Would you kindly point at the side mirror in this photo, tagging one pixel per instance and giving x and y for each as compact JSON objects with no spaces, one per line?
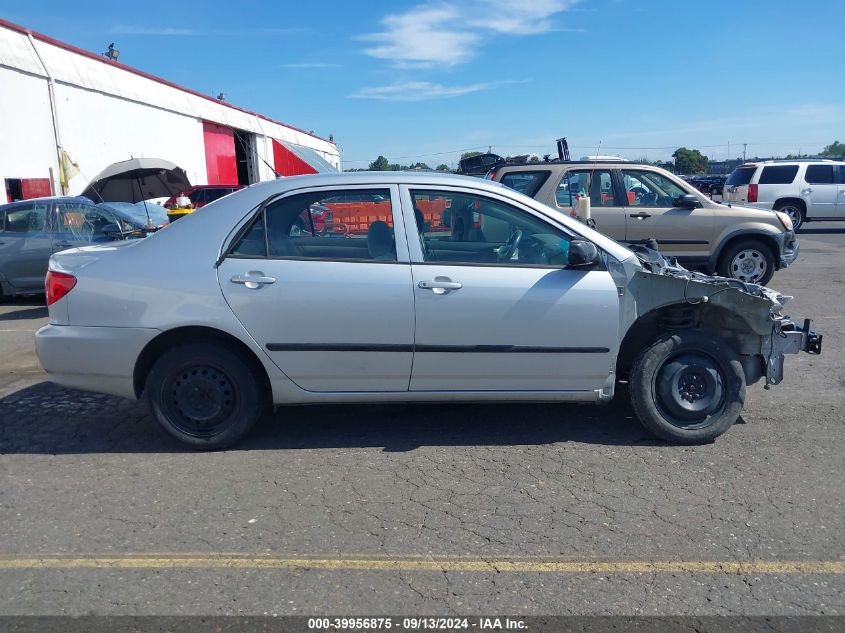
{"x":686,"y":201}
{"x":582,"y":253}
{"x":113,"y":231}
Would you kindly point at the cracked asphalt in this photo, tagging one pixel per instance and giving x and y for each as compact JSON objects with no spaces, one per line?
{"x":89,"y":475}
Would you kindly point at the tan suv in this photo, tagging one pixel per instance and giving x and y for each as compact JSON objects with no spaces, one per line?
{"x":634,"y":203}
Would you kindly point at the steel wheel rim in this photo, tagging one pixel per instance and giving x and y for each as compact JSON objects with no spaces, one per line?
{"x":749,"y":265}
{"x":794,"y":214}
{"x":689,"y":388}
{"x":199,"y":400}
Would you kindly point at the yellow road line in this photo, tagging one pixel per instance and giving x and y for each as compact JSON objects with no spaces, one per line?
{"x":174,"y":561}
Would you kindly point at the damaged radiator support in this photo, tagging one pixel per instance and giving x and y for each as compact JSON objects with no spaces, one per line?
{"x":787,"y":338}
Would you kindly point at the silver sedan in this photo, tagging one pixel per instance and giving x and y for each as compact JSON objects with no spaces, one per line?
{"x":373,"y":287}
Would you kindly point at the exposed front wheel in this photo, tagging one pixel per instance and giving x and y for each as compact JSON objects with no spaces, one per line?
{"x":204,"y":395}
{"x":750,"y":261}
{"x":687,"y":388}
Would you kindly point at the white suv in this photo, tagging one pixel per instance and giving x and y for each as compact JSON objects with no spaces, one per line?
{"x":804,"y":189}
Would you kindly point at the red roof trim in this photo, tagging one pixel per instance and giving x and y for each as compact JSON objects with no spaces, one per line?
{"x":79,"y":51}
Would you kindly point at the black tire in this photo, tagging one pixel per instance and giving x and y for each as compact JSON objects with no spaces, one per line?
{"x":731,"y":264}
{"x":795,"y":210}
{"x":205,"y":395}
{"x":687,"y":388}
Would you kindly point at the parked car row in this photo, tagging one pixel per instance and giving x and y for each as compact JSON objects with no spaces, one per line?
{"x":712,"y":185}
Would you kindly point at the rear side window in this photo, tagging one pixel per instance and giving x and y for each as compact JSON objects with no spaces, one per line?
{"x":26,"y":219}
{"x":527,"y":182}
{"x":778,"y":174}
{"x":842,"y":174}
{"x":741,"y":176}
{"x":819,"y":174}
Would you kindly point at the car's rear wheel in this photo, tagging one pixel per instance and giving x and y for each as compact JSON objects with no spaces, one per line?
{"x":794,"y":210}
{"x":687,"y":388}
{"x":204,"y":395}
{"x":750,"y":261}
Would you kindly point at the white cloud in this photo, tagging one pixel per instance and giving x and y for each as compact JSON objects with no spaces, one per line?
{"x":447,"y":33}
{"x":123,"y":29}
{"x":424,"y":90}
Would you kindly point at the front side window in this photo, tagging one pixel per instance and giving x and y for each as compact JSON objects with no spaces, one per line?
{"x":485,"y":231}
{"x":28,"y":218}
{"x":83,"y":221}
{"x":819,"y":174}
{"x":579,"y":182}
{"x":341,"y":225}
{"x":778,"y":174}
{"x":649,"y":189}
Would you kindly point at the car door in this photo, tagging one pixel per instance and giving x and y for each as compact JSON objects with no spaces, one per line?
{"x":820,"y":191}
{"x":25,"y":245}
{"x":606,"y":205}
{"x":840,"y":208}
{"x":496,"y":307}
{"x":680,"y":232}
{"x":334,"y":311}
{"x":78,"y":224}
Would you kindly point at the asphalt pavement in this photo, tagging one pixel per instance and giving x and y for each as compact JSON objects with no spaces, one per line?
{"x":437,"y":509}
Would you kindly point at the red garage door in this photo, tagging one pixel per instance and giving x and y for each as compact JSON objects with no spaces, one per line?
{"x":220,"y":160}
{"x":287,"y":163}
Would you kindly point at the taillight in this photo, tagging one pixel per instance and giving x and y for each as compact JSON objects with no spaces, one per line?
{"x":491,"y":175}
{"x":752,"y":193}
{"x":57,"y":285}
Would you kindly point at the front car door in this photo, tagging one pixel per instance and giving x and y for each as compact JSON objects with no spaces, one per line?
{"x":25,"y":245}
{"x":496,"y":307}
{"x":680,"y":232}
{"x":333,"y":310}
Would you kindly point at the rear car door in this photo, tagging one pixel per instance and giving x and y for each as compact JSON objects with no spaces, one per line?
{"x":25,"y":245}
{"x":333,"y":310}
{"x":606,"y":205}
{"x":820,"y":191}
{"x":78,"y":224}
{"x":680,"y":232}
{"x":496,"y":307}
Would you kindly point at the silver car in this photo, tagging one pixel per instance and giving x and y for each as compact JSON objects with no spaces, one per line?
{"x":248,"y":304}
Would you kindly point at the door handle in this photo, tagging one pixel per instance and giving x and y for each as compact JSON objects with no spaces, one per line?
{"x":63,"y":244}
{"x":642,"y":215}
{"x":253,"y":279}
{"x":440,"y":286}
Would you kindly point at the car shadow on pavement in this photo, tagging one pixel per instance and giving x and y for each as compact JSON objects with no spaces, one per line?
{"x":24,"y":314}
{"x":804,"y":230}
{"x":47,"y":419}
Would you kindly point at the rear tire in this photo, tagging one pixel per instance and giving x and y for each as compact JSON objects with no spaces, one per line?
{"x":796,"y":212}
{"x":204,"y":395}
{"x":687,"y":388}
{"x":750,"y":261}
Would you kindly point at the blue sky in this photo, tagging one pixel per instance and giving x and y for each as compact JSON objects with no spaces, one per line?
{"x":423,"y":81}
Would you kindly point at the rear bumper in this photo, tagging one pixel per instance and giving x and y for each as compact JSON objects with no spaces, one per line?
{"x":100,"y":359}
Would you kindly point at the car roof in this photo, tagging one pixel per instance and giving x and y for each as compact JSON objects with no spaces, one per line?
{"x":609,"y":164}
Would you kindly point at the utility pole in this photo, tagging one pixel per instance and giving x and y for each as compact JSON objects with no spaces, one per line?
{"x":744,"y":145}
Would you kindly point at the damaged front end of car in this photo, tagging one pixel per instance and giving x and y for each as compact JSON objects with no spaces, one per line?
{"x":663,"y":296}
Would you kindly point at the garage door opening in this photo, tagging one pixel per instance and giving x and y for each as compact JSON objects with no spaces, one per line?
{"x":245,"y":154}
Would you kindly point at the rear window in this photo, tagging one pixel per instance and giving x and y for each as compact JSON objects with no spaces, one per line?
{"x":741,"y":176}
{"x":215,"y":194}
{"x":819,"y":174}
{"x":778,"y":174}
{"x":527,"y":182}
